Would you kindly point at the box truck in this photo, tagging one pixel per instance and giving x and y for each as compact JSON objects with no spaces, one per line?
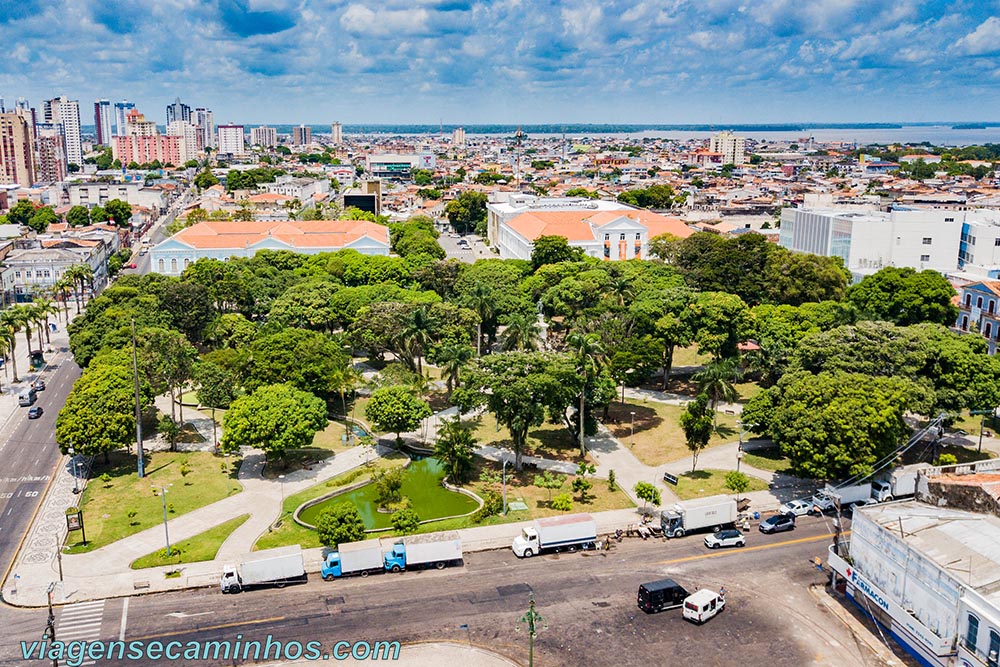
{"x":556,"y":533}
{"x":271,"y":567}
{"x":428,"y":550}
{"x":361,"y":558}
{"x":713,"y":512}
{"x":900,"y":483}
{"x":826,"y":498}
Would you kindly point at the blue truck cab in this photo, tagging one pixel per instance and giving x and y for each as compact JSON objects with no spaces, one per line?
{"x":395,"y":560}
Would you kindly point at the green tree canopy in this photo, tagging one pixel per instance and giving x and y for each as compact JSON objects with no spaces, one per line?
{"x":119,"y":211}
{"x":274,"y":418}
{"x":341,"y":524}
{"x":305,"y":359}
{"x":396,"y":409}
{"x":454,"y":447}
{"x":905,"y":296}
{"x":78,"y":216}
{"x":552,"y":250}
{"x":466,"y":211}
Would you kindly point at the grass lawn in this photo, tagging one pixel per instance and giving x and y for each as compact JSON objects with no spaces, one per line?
{"x":747,"y":390}
{"x":701,"y":483}
{"x":550,"y":441}
{"x":201,"y":547}
{"x":325,"y":444}
{"x":970,"y":424}
{"x":106,"y":505}
{"x":767,"y":458}
{"x":289,"y":532}
{"x":659,"y":437}
{"x":689,"y":356}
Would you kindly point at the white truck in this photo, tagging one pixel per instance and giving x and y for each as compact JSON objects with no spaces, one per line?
{"x":900,"y":483}
{"x":427,"y":550}
{"x":271,"y":567}
{"x":360,"y":558}
{"x":556,"y":533}
{"x":826,"y":499}
{"x":714,"y":512}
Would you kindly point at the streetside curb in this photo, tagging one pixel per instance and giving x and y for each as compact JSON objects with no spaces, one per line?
{"x":857,"y":629}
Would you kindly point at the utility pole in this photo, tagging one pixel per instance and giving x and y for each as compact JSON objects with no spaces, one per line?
{"x":532,"y":619}
{"x":982,"y":423}
{"x":50,"y":624}
{"x":138,"y":408}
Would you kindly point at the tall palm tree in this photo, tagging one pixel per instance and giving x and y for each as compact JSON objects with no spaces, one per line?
{"x":717,"y":380}
{"x":10,"y":324}
{"x":482,"y":301}
{"x":22,"y":312}
{"x":453,"y":358}
{"x":590,"y":355}
{"x":522,"y":333}
{"x":80,"y":274}
{"x":46,"y":307}
{"x":62,"y":290}
{"x":417,"y":335}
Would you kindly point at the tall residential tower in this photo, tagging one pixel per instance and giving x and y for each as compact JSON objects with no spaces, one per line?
{"x":66,"y":112}
{"x":102,"y":121}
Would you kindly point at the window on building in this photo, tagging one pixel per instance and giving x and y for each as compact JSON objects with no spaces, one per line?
{"x":159,"y":268}
{"x":972,"y":633}
{"x":17,"y":274}
{"x":993,"y":653}
{"x":996,"y":241}
{"x":965,"y":322}
{"x":173,"y":266}
{"x":968,"y":300}
{"x":949,"y":219}
{"x":991,"y":306}
{"x":988,"y":330}
{"x":925,"y":258}
{"x":979,"y":302}
{"x":607,"y":237}
{"x":46,"y":274}
{"x":621,"y":237}
{"x":638,"y":236}
{"x":27,"y":274}
{"x":928,"y":240}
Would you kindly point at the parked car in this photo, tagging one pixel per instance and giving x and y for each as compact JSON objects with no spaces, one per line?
{"x":35,"y":412}
{"x":132,"y":265}
{"x":725,"y":538}
{"x":778,"y":523}
{"x":796,"y":507}
{"x":38,"y":385}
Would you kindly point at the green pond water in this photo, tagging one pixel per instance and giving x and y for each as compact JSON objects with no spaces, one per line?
{"x":422,"y":485}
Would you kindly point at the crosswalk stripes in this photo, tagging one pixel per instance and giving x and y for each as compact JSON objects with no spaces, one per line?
{"x":80,"y":622}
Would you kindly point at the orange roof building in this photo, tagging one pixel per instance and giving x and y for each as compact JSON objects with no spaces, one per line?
{"x":225,"y":239}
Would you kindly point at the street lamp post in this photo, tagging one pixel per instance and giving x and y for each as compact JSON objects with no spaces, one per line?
{"x":166,"y":533}
{"x":50,"y":623}
{"x":281,"y":483}
{"x":982,"y":423}
{"x":743,"y":428}
{"x":532,"y":619}
{"x":504,"y":470}
{"x":76,"y":485}
{"x":631,"y":438}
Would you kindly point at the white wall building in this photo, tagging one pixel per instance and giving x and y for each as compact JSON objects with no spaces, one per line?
{"x":231,"y":140}
{"x":67,"y":112}
{"x":869,"y":241}
{"x":263,"y":136}
{"x":98,"y":194}
{"x":121,"y":116}
{"x":188,"y":133}
{"x":336,"y":134}
{"x":204,"y":120}
{"x":395,"y":165}
{"x":300,"y":188}
{"x":931,"y":576}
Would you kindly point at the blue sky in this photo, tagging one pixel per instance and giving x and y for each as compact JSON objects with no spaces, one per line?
{"x":513,"y":61}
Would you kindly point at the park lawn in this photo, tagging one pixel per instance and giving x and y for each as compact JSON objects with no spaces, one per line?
{"x":106,"y":506}
{"x":659,"y":437}
{"x":200,"y":547}
{"x":971,"y":424}
{"x":767,"y":458}
{"x":701,"y":483}
{"x":326,"y":443}
{"x":549,"y":441}
{"x":747,"y":390}
{"x":289,"y":532}
{"x":690,"y":356}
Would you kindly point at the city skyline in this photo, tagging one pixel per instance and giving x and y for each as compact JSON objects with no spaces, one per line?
{"x":278,"y":62}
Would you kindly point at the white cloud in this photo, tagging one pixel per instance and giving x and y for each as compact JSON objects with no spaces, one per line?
{"x":984,"y":39}
{"x":361,"y":20}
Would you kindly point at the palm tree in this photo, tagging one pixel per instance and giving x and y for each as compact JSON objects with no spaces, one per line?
{"x":717,"y":380}
{"x":522,"y":333}
{"x":481,"y":300}
{"x":79,"y":274}
{"x":45,"y":308}
{"x":590,"y":355}
{"x":416,"y":335}
{"x":62,"y":290}
{"x":36,"y":317}
{"x":22,"y":313}
{"x":453,"y":358}
{"x":10,"y":324}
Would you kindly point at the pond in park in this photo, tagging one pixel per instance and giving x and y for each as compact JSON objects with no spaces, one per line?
{"x":421,"y":484}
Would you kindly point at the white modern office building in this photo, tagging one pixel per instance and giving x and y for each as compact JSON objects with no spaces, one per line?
{"x":188,"y":133}
{"x":121,"y":116}
{"x":231,"y":140}
{"x":263,"y":136}
{"x":398,"y":166}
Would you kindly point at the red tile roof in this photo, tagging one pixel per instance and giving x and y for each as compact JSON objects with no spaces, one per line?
{"x":297,"y":234}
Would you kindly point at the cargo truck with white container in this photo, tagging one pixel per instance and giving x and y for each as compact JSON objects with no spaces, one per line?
{"x":827,"y":498}
{"x":428,"y":550}
{"x":713,"y":513}
{"x":360,"y":558}
{"x":271,"y":567}
{"x":900,"y":483}
{"x":556,"y":533}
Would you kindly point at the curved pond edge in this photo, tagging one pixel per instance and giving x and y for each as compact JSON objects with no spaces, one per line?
{"x":358,"y":485}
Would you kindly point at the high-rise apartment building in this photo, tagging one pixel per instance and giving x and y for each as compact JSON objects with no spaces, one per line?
{"x":121,"y":116}
{"x":188,"y":134}
{"x":204,"y":120}
{"x":66,"y":112}
{"x":263,"y":136}
{"x":458,"y":136}
{"x":231,"y":140}
{"x":301,"y":135}
{"x":178,"y":111}
{"x":102,"y":121}
{"x":143,"y":143}
{"x":3,"y":109}
{"x":336,"y":134}
{"x":136,"y":125}
{"x":52,"y":155}
{"x":732,"y":148}
{"x":17,"y":162}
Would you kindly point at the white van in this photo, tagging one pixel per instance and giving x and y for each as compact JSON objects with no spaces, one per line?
{"x":26,"y":397}
{"x":703,"y":605}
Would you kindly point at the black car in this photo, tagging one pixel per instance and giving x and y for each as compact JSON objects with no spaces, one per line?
{"x":659,"y":595}
{"x":777,"y":523}
{"x":35,"y":412}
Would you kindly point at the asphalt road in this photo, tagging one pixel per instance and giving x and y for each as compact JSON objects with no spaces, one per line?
{"x":587,"y":601}
{"x":28,"y":456}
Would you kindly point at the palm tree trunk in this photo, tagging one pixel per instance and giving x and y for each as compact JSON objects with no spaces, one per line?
{"x":13,"y":358}
{"x":583,"y":448}
{"x":48,"y":337}
{"x":479,"y":339}
{"x":77,"y":293}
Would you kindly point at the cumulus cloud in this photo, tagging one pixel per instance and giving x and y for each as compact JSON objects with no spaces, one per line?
{"x":985,"y":39}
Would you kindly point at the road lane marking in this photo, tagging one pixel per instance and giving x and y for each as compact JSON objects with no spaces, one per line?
{"x":121,"y":632}
{"x":207,"y":628}
{"x":759,"y":547}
